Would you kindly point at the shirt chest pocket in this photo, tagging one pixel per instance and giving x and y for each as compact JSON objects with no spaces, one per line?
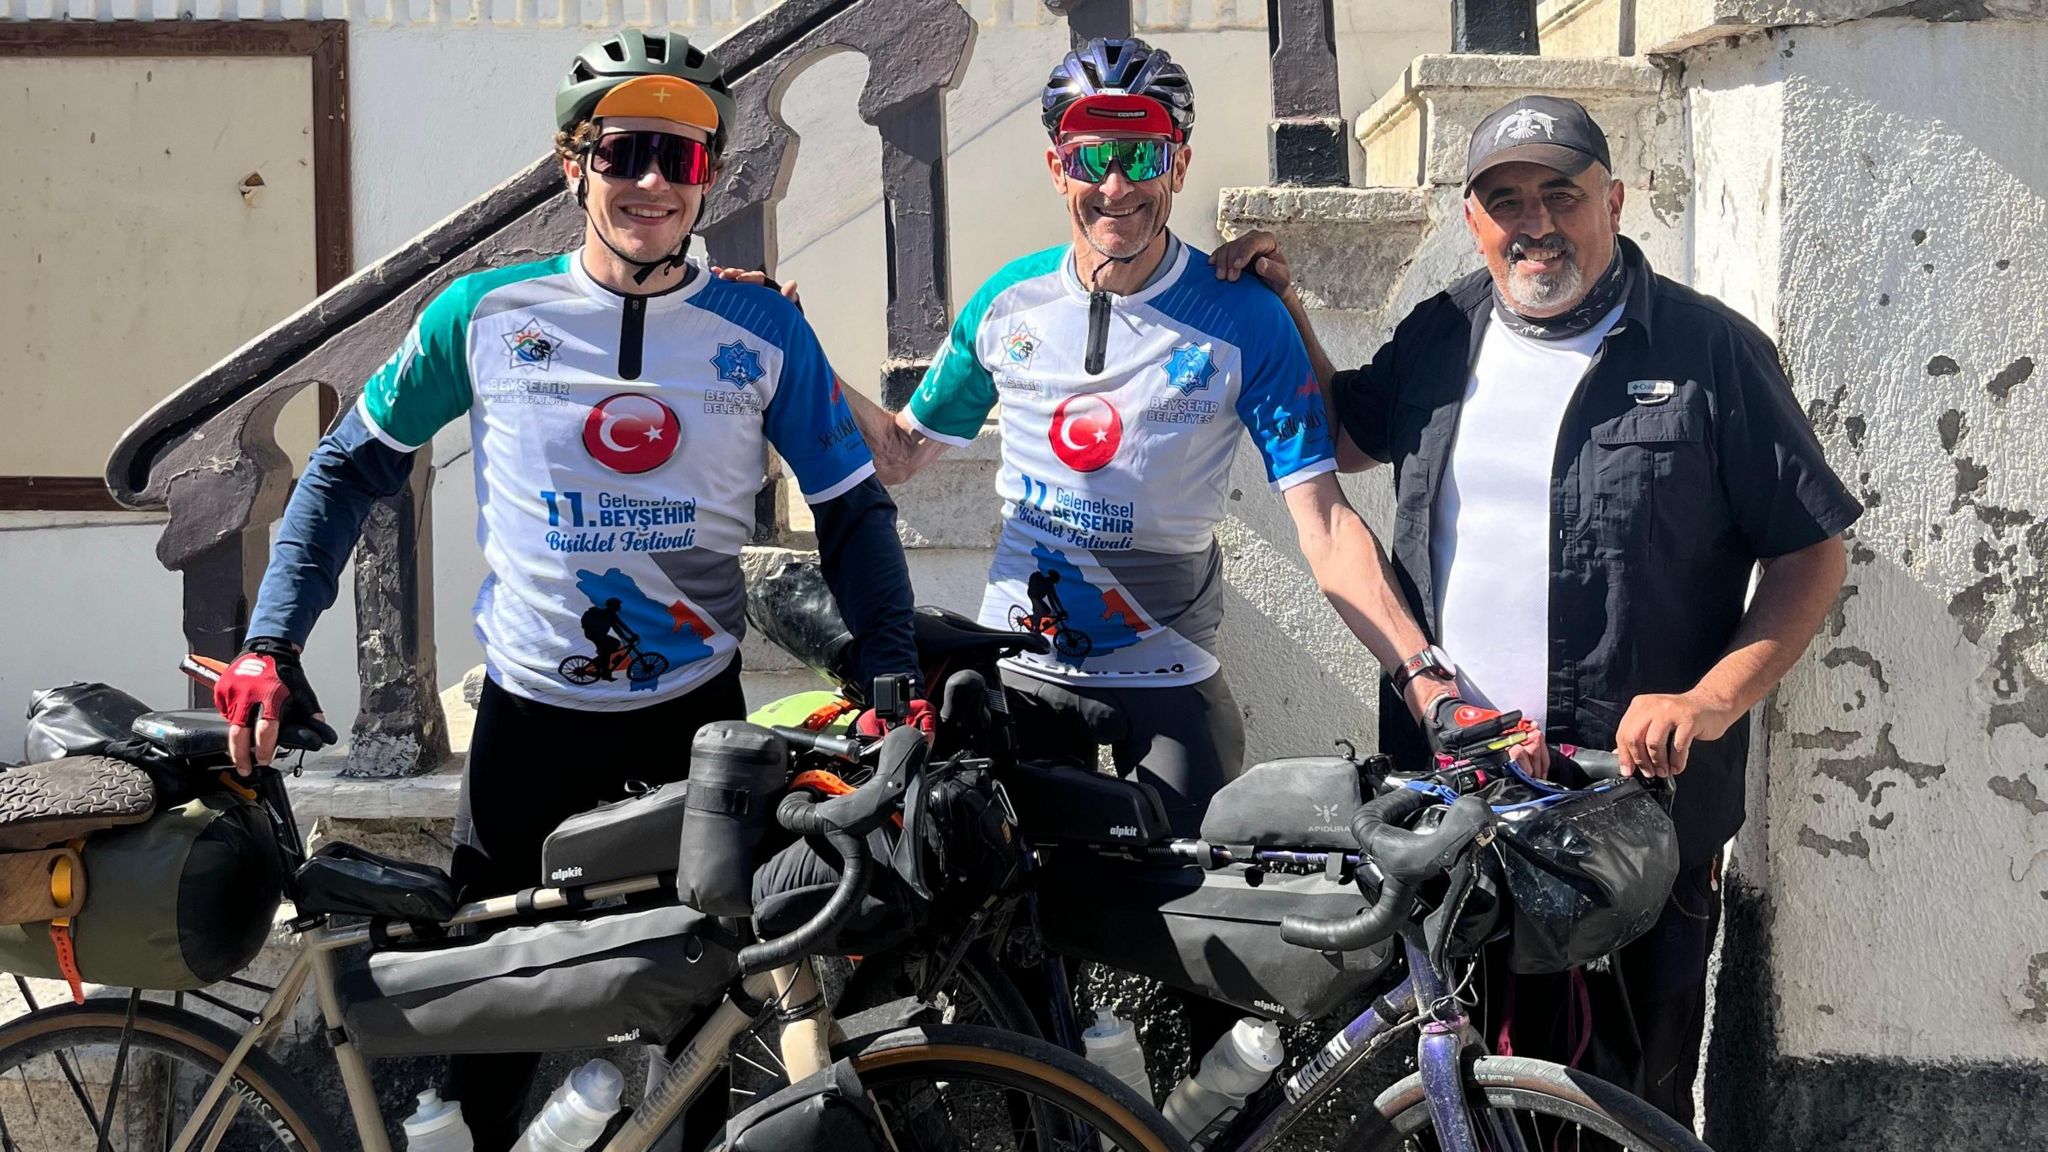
{"x":1647,"y":479}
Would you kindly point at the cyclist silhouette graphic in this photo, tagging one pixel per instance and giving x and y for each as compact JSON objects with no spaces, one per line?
{"x":1048,"y":616}
{"x":599,"y":625}
{"x":1043,"y":588}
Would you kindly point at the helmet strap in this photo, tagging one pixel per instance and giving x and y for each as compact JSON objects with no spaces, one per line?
{"x":642,"y":268}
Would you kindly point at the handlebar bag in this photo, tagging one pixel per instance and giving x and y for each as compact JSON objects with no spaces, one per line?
{"x":180,"y":901}
{"x":736,"y":771}
{"x":825,"y":1112}
{"x":627,"y":978}
{"x":1586,"y":873}
{"x":796,"y":883}
{"x":1207,"y":932}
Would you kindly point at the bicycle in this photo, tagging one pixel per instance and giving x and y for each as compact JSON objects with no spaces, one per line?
{"x":205,"y":1087}
{"x":638,"y":666}
{"x":1067,"y":641}
{"x":1460,"y":1099}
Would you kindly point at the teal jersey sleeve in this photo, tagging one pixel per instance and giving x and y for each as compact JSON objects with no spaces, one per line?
{"x":957,"y":392}
{"x":425,"y":385}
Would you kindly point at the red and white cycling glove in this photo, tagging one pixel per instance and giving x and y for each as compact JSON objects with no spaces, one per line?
{"x":921,"y":717}
{"x":265,"y":681}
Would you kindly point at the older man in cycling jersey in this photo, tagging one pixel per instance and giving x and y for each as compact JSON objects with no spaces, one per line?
{"x":1127,"y":372}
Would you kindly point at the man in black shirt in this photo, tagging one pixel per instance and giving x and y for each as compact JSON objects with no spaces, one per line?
{"x":1590,"y":461}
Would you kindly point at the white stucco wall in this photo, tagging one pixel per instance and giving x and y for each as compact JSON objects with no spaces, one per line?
{"x":1907,"y":820}
{"x":86,"y":600}
{"x":447,"y":99}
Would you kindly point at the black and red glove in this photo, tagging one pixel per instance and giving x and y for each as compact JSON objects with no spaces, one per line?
{"x":919,"y":716}
{"x":266,"y":682}
{"x":1452,"y":721}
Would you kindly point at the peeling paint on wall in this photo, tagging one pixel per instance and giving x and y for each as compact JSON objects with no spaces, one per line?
{"x":2020,"y":791}
{"x":1814,"y":841}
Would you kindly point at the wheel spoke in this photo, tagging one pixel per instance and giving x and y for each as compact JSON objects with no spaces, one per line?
{"x":106,"y":1141}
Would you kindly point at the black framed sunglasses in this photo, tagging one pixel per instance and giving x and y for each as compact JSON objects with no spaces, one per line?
{"x":627,"y":156}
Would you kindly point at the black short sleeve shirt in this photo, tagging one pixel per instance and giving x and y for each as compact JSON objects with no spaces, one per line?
{"x":1681,"y":461}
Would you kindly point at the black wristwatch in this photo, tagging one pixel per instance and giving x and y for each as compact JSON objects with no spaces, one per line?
{"x":1431,"y":662}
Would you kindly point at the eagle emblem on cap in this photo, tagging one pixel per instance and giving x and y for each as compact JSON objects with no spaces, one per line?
{"x":1524,"y":124}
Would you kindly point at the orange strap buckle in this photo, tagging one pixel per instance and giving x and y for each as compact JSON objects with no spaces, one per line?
{"x":817,"y":720}
{"x":67,"y":957}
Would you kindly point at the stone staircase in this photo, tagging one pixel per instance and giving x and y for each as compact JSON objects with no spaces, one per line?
{"x":1364,"y":256}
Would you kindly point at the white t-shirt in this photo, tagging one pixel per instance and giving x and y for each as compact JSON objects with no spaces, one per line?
{"x":1493,"y":599}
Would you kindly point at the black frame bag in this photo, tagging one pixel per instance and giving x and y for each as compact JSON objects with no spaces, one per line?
{"x":1585,"y":874}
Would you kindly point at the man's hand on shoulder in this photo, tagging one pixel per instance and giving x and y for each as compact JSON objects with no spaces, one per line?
{"x":1656,"y":734}
{"x":759,"y":279}
{"x":1260,"y":252}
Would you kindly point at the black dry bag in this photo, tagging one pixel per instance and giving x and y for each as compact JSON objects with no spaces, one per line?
{"x":736,"y":770}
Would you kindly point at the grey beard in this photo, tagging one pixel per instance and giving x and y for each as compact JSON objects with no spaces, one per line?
{"x":1531,"y":293}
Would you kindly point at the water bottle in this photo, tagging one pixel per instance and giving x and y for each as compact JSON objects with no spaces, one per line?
{"x":437,"y":1126}
{"x":1236,"y":1066}
{"x":578,"y":1111}
{"x":1112,"y":1044}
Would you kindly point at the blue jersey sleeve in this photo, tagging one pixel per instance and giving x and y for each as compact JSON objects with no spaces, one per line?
{"x":809,"y":422}
{"x":1279,"y":400}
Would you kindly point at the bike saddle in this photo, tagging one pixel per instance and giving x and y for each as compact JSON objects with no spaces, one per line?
{"x":941,"y":634}
{"x":200,"y":733}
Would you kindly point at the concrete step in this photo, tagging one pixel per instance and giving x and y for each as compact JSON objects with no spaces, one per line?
{"x":1416,"y":133}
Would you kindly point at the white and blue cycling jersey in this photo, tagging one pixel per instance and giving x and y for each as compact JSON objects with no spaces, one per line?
{"x":619,"y":444}
{"x":1114,"y":481}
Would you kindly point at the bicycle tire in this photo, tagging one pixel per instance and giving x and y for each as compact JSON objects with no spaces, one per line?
{"x":584,"y":669}
{"x":1514,"y":1083}
{"x":1076,"y":645}
{"x":646,"y":666}
{"x":293,"y":1116}
{"x":1021,"y":620}
{"x":954,"y":1054}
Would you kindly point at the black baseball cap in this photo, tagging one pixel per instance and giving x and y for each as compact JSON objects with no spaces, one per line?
{"x":1542,"y":130}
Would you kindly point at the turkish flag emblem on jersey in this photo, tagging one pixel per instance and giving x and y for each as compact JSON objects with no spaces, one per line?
{"x":1086,"y":432}
{"x":631,"y":432}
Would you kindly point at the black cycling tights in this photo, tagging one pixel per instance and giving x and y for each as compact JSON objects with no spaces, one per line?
{"x":1186,"y":742}
{"x":532,"y":766}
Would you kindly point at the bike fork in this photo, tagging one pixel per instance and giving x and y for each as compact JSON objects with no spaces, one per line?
{"x":1462,"y":1124}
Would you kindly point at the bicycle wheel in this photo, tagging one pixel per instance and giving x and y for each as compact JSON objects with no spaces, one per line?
{"x":1528,"y":1104}
{"x":1072,"y":643}
{"x":56,"y":1066}
{"x":579,"y":670}
{"x":978,"y":991}
{"x":1020,"y":619}
{"x":646,"y":666}
{"x":963,"y":1089}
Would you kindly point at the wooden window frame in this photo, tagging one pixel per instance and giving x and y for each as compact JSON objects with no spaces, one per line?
{"x":326,"y":43}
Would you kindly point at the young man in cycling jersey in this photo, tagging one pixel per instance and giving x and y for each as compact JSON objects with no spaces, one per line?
{"x":620,"y":400}
{"x":1126,"y":371}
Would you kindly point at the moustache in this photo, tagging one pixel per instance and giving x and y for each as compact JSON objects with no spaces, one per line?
{"x":1522,"y":244}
